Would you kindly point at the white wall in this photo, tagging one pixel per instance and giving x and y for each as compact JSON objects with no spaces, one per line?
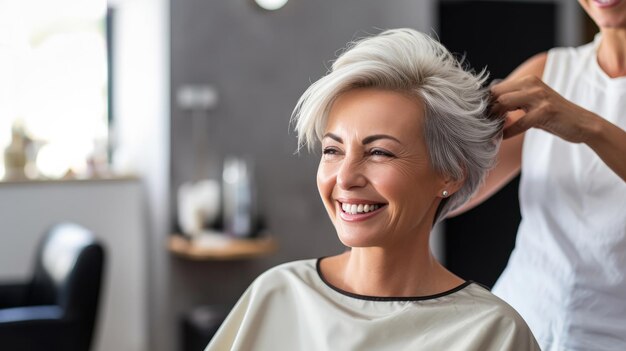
{"x":114,"y":210}
{"x":142,"y":139}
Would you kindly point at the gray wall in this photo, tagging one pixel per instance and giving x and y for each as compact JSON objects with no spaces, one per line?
{"x":260,"y":62}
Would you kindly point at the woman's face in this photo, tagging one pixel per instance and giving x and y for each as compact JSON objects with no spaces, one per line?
{"x":606,"y":13}
{"x":375,"y":176}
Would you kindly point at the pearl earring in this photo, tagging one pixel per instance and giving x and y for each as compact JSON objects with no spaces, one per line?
{"x":445,"y":193}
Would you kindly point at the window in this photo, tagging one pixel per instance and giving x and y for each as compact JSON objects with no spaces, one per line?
{"x":53,"y":88}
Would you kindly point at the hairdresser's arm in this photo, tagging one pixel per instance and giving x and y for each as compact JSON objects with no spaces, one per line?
{"x":510,"y":155}
{"x":545,"y":109}
{"x":507,"y":168}
{"x":609,"y":142}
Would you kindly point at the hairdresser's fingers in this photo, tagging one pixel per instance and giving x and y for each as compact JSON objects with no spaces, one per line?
{"x":495,"y":82}
{"x":567,"y":123}
{"x":503,"y":87}
{"x":532,"y":119}
{"x":525,"y":99}
{"x":515,"y":128}
{"x":510,"y":85}
{"x":516,"y":100}
{"x":511,"y":117}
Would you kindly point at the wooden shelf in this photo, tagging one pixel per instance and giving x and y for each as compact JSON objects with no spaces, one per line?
{"x":43,"y":181}
{"x":224,"y":248}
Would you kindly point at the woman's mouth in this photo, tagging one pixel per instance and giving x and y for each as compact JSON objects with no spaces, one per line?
{"x":351,"y":211}
{"x":606,"y":3}
{"x":359,"y":208}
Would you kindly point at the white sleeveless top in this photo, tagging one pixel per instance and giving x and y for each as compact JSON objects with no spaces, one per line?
{"x":567,"y":274}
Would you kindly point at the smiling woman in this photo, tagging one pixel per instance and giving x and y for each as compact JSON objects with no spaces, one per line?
{"x":405,"y":139}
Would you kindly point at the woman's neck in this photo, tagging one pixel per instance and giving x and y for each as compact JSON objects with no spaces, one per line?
{"x":612,"y":52}
{"x":402,"y":271}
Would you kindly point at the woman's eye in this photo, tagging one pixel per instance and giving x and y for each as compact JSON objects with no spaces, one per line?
{"x":378,"y":152}
{"x":330,"y":153}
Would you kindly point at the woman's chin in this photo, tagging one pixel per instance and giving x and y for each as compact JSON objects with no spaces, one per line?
{"x":357,"y":240}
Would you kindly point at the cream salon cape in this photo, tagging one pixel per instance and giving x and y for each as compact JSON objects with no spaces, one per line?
{"x":291,"y":307}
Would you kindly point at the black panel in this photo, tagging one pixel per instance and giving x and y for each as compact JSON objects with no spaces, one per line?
{"x":498,"y":35}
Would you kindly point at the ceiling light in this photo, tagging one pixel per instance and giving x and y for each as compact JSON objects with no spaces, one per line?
{"x":271,"y":5}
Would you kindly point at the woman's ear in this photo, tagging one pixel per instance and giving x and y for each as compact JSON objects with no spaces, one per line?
{"x":450,"y":186}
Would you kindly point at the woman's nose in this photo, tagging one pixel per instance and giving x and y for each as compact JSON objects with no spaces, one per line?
{"x":350,"y":174}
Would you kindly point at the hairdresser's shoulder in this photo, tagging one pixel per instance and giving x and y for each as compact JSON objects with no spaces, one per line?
{"x":533,"y":66}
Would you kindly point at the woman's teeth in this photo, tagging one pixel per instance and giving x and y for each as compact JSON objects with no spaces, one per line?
{"x":606,"y":3}
{"x":354,"y":209}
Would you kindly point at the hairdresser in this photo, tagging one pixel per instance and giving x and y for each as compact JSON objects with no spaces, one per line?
{"x":566,"y":116}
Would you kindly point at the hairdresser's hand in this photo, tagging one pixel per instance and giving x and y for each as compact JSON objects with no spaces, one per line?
{"x":543,"y":108}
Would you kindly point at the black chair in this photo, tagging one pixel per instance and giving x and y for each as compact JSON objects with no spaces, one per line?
{"x":200,"y":325}
{"x":57,"y":309}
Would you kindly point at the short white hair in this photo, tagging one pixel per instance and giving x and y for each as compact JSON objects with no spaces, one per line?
{"x":462,"y":140}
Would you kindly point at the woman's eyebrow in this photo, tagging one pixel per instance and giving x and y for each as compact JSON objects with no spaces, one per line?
{"x":365,"y":141}
{"x":333,"y":136}
{"x":375,"y":137}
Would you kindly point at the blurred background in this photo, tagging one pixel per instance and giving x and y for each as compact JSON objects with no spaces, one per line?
{"x":163,"y":127}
